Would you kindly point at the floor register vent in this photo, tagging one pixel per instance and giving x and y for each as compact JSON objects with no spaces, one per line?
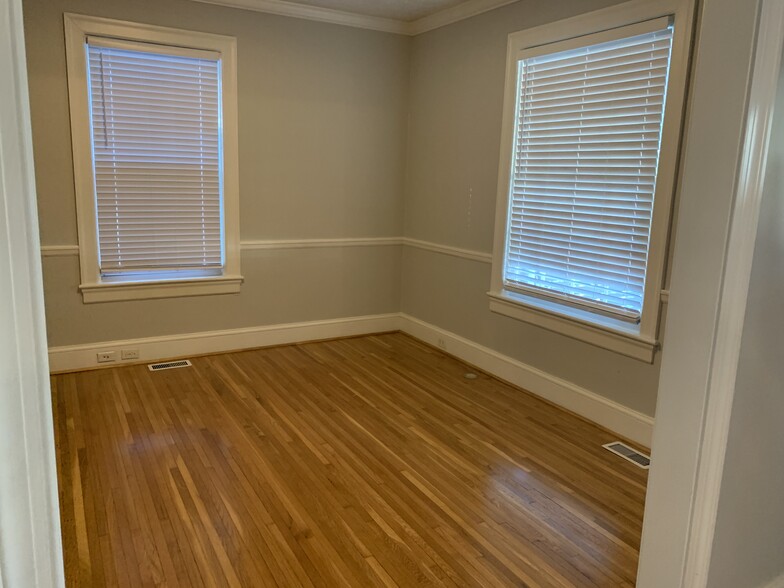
{"x":169,"y":365}
{"x":629,"y":454}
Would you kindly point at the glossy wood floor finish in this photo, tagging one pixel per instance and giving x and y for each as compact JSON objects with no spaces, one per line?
{"x":358,"y":462}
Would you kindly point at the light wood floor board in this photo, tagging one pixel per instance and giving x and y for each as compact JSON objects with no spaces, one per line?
{"x":369,"y":461}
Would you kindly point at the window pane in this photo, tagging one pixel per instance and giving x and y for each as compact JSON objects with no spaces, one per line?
{"x":586,"y":152}
{"x":156,"y":142}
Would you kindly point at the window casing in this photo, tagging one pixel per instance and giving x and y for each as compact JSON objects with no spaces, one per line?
{"x":591,"y":132}
{"x":154,"y":130}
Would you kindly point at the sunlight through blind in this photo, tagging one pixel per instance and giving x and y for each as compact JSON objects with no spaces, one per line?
{"x":586,"y":152}
{"x":155,"y":118}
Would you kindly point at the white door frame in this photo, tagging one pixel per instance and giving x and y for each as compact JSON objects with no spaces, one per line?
{"x":740,"y":252}
{"x":690,"y":545}
{"x":30,"y":544}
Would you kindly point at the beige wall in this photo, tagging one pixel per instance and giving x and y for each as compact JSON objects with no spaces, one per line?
{"x":284,"y":286}
{"x":457,"y":84}
{"x":343,"y":133}
{"x":322,"y":112}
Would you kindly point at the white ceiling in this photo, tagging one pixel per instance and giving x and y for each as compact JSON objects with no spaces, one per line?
{"x":405,"y":10}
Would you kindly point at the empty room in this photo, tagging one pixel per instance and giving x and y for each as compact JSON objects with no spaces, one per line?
{"x":352,"y":293}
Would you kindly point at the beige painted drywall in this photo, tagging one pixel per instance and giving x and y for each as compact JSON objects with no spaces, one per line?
{"x":285,"y":286}
{"x":457,"y":83}
{"x":322,"y":111}
{"x":748,"y":544}
{"x":450,"y":292}
{"x":457,"y":87}
{"x":343,"y":133}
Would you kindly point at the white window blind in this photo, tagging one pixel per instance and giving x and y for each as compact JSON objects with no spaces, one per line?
{"x":586,"y":151}
{"x":156,"y":139}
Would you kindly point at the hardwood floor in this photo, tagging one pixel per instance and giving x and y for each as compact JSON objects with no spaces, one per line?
{"x":369,"y":461}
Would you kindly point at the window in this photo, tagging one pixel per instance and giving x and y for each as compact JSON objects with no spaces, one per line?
{"x":590,"y":138}
{"x":154,"y":135}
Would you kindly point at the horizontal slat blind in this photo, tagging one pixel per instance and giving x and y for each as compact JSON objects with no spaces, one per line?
{"x":586,"y":152}
{"x":156,"y":151}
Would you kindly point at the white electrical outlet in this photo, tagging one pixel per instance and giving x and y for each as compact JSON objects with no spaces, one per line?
{"x":106,"y":356}
{"x":129,"y":354}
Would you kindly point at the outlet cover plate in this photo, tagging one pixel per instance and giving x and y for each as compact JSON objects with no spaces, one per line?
{"x":106,"y":356}
{"x":129,"y":354}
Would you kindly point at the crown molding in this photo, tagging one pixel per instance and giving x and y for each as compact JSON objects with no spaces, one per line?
{"x":454,"y":14}
{"x":442,"y":18}
{"x":295,"y":10}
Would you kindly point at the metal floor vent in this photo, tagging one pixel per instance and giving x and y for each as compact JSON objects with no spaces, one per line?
{"x":629,"y":454}
{"x":169,"y":365}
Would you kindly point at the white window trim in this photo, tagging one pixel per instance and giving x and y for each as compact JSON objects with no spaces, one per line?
{"x":639,"y":341}
{"x":93,"y":288}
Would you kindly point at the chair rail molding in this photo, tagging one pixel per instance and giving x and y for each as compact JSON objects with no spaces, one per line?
{"x":276,"y":244}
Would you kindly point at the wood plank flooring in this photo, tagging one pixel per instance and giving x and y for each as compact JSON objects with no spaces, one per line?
{"x":369,"y":461}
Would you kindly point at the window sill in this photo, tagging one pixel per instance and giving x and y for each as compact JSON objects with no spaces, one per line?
{"x":578,"y":324}
{"x":117,"y":291}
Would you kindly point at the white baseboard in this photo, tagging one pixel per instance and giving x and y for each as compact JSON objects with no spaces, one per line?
{"x":613,"y":416}
{"x":79,"y":357}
